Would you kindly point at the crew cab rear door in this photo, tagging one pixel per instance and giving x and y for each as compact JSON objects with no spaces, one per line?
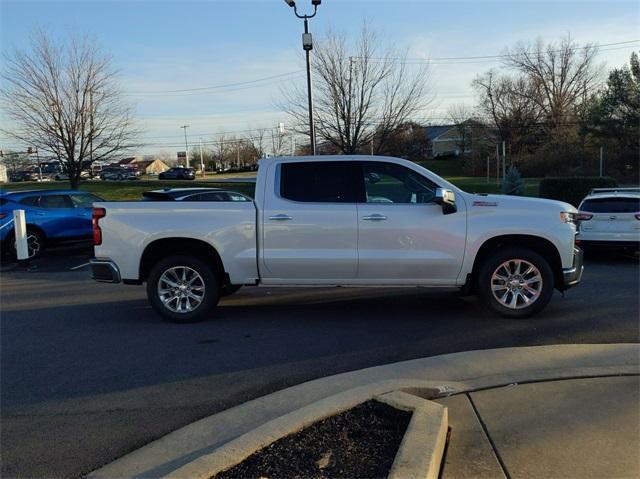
{"x":310,"y":227}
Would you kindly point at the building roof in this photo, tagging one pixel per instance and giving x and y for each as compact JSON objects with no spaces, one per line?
{"x":434,"y":131}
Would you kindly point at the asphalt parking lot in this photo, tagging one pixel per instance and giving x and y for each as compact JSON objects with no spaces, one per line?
{"x":89,"y":372}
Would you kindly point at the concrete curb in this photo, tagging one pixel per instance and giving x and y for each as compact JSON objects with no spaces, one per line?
{"x":422,"y":447}
{"x":428,"y":378}
{"x":240,"y":448}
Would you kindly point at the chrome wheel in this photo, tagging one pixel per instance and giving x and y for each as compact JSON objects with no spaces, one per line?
{"x":516,"y":284}
{"x":181,"y":289}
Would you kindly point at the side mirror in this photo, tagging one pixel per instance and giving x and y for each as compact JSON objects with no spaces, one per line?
{"x":447,"y":199}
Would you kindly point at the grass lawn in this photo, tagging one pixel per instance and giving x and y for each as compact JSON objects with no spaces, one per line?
{"x":132,"y":190}
{"x":480,"y":185}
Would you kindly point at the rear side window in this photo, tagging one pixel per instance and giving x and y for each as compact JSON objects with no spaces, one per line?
{"x":83,"y":201}
{"x":611,"y":205}
{"x":55,"y":201}
{"x":29,"y":201}
{"x":207,"y":197}
{"x":321,"y":182}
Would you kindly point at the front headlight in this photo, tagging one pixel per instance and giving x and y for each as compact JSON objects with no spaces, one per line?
{"x":567,"y":217}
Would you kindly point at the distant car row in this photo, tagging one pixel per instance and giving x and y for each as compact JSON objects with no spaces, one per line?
{"x":110,"y":173}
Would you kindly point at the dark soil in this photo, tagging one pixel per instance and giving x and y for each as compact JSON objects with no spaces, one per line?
{"x":359,"y":443}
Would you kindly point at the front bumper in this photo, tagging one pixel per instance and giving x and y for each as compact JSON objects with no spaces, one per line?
{"x":104,"y":271}
{"x":573,"y":275}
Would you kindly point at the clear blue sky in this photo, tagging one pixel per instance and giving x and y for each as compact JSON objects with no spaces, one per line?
{"x":168,"y":45}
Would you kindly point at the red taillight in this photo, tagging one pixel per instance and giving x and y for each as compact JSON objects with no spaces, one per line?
{"x":4,"y":215}
{"x":97,"y":232}
{"x":584,"y":216}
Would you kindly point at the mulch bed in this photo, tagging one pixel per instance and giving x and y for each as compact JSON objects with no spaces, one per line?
{"x":361,"y":442}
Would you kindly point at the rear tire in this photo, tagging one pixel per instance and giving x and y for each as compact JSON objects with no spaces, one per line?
{"x":515,"y":282}
{"x":183,"y":289}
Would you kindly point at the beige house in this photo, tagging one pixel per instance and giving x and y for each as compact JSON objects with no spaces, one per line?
{"x":447,"y":140}
{"x":444,"y":140}
{"x":151,"y":167}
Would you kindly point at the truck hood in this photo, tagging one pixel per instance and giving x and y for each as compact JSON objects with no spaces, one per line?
{"x":519,"y":202}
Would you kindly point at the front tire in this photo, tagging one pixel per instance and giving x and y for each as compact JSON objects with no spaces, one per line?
{"x":183,"y":289}
{"x":515,"y":282}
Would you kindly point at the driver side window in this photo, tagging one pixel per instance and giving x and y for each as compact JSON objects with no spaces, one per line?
{"x":391,"y":183}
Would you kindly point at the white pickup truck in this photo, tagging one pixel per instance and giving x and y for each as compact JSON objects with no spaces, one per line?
{"x":340,"y":221}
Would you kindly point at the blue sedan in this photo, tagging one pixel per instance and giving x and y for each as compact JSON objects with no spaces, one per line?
{"x":51,"y":216}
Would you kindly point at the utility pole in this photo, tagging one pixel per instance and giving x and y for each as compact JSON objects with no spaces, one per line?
{"x":307,"y":45}
{"x":90,"y":126}
{"x":601,"y":162}
{"x":39,"y":165}
{"x":504,"y":161}
{"x":497,"y":164}
{"x":238,"y":154}
{"x":487,"y":169}
{"x":186,"y":146}
{"x":201,"y":160}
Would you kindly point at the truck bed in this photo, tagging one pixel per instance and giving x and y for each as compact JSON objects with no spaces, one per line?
{"x":128,"y":228}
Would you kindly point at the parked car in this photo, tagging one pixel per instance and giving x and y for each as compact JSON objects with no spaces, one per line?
{"x":84,"y":174}
{"x":52,"y":216}
{"x":118,"y":173}
{"x":178,"y":174}
{"x":610,"y":217}
{"x":317,"y":221}
{"x":194,"y":194}
{"x":25,"y":175}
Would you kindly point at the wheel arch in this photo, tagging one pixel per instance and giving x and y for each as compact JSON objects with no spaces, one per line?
{"x":161,"y":248}
{"x":542,"y":246}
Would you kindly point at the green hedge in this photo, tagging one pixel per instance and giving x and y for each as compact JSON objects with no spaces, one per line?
{"x":572,"y":190}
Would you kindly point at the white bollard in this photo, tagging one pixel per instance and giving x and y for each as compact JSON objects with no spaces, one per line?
{"x":20,"y":228}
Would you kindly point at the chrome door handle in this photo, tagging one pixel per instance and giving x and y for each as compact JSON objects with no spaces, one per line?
{"x":280,"y":218}
{"x":375,"y":217}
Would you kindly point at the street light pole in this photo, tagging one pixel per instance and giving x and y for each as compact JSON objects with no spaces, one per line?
{"x":307,"y":45}
{"x":186,"y":146}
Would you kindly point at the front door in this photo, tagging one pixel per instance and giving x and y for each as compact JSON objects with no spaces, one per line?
{"x":404,"y":237}
{"x":310,"y":223}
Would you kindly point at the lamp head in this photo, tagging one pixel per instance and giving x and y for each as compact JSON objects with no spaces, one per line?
{"x":291,"y":3}
{"x":316,"y":2}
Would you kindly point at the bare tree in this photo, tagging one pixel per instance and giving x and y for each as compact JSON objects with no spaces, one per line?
{"x":560,"y":75}
{"x":361,"y":94}
{"x":278,"y":141}
{"x":462,"y":116}
{"x":511,"y":106}
{"x":64,"y":99}
{"x":257,"y":139}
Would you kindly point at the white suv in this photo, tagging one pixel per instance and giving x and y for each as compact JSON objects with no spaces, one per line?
{"x":610,"y":217}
